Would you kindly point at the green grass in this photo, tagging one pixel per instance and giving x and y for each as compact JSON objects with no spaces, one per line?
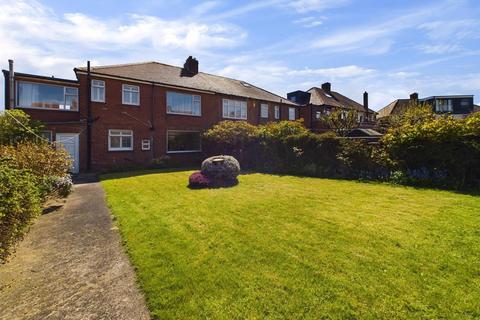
{"x":284,"y":247}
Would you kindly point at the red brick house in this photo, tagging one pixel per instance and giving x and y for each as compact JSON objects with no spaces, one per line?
{"x":319,"y":102}
{"x":130,"y":114}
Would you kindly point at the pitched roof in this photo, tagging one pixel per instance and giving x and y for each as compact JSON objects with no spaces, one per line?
{"x":175,"y":76}
{"x":320,"y":97}
{"x":393,"y":108}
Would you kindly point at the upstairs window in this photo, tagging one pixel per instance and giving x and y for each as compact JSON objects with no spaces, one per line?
{"x":443,"y":105}
{"x":291,"y":114}
{"x":277,"y":112}
{"x":120,"y":140}
{"x":46,"y":96}
{"x":181,"y":103}
{"x":264,"y":110}
{"x":130,"y":94}
{"x":234,"y":109}
{"x":98,"y":91}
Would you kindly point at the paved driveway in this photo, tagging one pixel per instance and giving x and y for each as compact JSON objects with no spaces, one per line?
{"x":71,"y":265}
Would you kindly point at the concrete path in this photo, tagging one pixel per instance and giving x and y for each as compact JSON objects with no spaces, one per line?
{"x":71,"y":265}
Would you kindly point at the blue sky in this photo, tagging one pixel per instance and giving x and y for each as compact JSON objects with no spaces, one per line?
{"x":388,"y":48}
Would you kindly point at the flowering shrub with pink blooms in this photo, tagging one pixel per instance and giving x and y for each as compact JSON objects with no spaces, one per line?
{"x":198,"y":180}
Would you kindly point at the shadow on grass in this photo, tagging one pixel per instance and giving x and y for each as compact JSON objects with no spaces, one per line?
{"x":143,"y":172}
{"x":135,"y":173}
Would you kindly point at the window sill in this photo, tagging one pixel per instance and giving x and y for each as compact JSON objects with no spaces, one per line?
{"x":46,"y":109}
{"x":184,"y":114}
{"x":185,"y":151}
{"x":229,"y":118}
{"x":120,"y":150}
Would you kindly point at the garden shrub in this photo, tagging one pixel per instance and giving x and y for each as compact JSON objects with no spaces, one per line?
{"x":221,"y":170}
{"x":19,"y":205}
{"x":198,"y":180}
{"x":439,"y":151}
{"x":42,"y":160}
{"x":236,"y":138}
{"x":22,"y":129}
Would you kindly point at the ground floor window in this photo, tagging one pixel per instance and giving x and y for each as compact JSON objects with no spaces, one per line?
{"x":291,"y":113}
{"x":120,"y":140}
{"x":183,"y":141}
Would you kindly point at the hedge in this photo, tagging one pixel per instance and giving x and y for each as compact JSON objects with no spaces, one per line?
{"x":19,"y":205}
{"x":419,"y":148}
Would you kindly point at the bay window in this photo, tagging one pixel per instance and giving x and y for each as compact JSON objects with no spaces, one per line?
{"x":46,"y":96}
{"x":182,"y":103}
{"x":179,"y":141}
{"x":234,"y":109}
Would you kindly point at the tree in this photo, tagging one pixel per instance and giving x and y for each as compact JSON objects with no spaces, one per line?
{"x":342,"y":121}
{"x":16,"y":126}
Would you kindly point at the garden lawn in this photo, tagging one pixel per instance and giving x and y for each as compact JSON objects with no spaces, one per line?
{"x":285,"y":247}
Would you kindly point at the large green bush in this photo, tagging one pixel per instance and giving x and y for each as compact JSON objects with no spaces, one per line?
{"x":440,"y":151}
{"x":235,"y":138}
{"x":46,"y":163}
{"x":418,"y":148}
{"x":17,"y":126}
{"x":19,"y":205}
{"x":31,"y":171}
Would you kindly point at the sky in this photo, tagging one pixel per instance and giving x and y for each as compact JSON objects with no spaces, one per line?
{"x":388,"y":48}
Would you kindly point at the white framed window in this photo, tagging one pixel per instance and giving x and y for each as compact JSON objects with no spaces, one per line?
{"x":277,"y":112}
{"x":264,"y":110}
{"x":98,"y":90}
{"x":181,"y":141}
{"x":318,"y":115}
{"x":46,"y":96}
{"x":183,"y":103}
{"x":234,"y":109}
{"x":443,"y":105}
{"x":145,"y":144}
{"x":130,"y":94}
{"x":120,"y":140}
{"x":291,"y":114}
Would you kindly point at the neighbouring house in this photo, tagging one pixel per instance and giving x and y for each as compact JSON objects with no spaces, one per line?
{"x":316,"y":103}
{"x":131,"y":114}
{"x":458,"y":106}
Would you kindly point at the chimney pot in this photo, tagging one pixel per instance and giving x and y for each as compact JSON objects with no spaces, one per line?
{"x":191,"y":65}
{"x":327,"y":86}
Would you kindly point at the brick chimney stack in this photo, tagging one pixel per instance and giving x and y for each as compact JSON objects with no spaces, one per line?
{"x":191,"y":66}
{"x":365,"y":101}
{"x":414,"y":97}
{"x":327,"y":86}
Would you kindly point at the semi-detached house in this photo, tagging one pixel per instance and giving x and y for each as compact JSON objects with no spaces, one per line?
{"x":130,"y":114}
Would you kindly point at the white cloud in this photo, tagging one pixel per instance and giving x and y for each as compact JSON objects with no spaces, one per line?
{"x":448,"y":29}
{"x":332,"y":73}
{"x":440,"y":48}
{"x":309,"y":22}
{"x":303,"y":6}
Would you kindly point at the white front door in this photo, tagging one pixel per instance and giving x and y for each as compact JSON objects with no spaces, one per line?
{"x":69,"y":141}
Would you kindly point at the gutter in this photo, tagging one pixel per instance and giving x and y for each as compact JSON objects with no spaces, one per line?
{"x":89,"y":118}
